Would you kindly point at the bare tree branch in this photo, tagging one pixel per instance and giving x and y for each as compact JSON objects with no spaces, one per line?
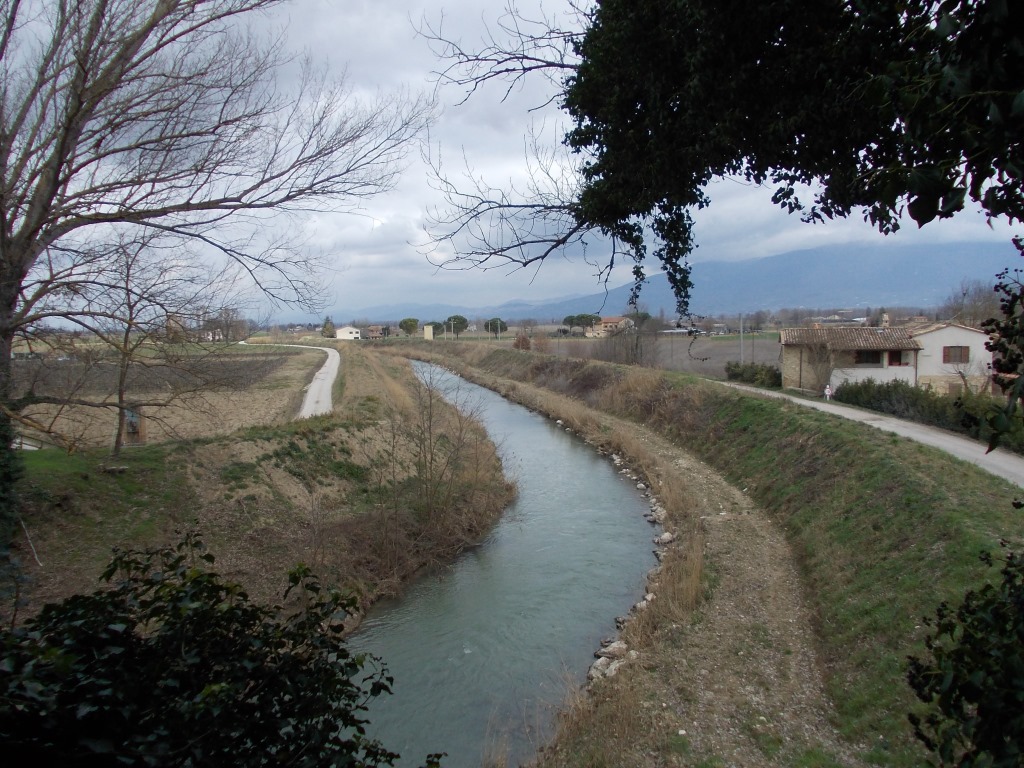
{"x":514,"y":48}
{"x":169,"y":117}
{"x":504,"y":225}
{"x":142,"y":307}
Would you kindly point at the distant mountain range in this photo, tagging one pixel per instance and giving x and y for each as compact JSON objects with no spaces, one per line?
{"x":843,"y":276}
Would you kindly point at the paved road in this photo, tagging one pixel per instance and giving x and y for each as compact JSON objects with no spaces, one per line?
{"x":1005,"y":464}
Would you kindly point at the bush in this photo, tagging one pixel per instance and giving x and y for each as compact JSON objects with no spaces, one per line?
{"x":172,"y":666}
{"x":903,"y":400}
{"x":974,"y":681}
{"x":758,"y":374}
{"x":966,"y":413}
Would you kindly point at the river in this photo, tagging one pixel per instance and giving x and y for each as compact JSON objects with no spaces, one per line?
{"x":484,"y":652}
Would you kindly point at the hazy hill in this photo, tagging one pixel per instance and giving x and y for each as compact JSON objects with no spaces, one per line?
{"x":834,"y":276}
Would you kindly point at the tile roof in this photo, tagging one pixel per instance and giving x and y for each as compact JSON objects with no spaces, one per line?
{"x":839,"y":339}
{"x":919,"y":329}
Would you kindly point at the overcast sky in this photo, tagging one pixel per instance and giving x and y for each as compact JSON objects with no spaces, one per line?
{"x":374,"y":255}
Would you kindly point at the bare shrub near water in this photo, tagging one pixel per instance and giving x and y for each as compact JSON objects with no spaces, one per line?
{"x":633,"y":395}
{"x":434,"y":482}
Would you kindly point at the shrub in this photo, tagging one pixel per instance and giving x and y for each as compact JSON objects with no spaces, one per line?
{"x":973,"y":683}
{"x":758,"y":374}
{"x":173,"y":666}
{"x":903,"y":400}
{"x":522,"y":341}
{"x":966,"y":413}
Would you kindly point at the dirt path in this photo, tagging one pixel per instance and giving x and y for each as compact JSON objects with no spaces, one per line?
{"x":318,"y":395}
{"x":743,"y":684}
{"x":748,"y":661}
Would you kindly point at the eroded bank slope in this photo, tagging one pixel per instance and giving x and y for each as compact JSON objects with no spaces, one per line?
{"x":348,"y":494}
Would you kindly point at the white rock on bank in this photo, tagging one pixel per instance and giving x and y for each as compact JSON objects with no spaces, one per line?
{"x":614,"y":667}
{"x":616,"y":650}
{"x":599,"y":668}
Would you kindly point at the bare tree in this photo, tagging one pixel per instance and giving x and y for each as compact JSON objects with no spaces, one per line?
{"x":508,"y":226}
{"x":500,"y":224}
{"x":504,"y":225}
{"x":515,"y":47}
{"x":170,"y":116}
{"x":971,"y":304}
{"x":139,"y":308}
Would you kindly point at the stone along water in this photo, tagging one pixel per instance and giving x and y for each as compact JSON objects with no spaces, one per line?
{"x":484,"y":652}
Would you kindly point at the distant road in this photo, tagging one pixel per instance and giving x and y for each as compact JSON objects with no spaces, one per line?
{"x":317,"y":400}
{"x":318,"y":395}
{"x":1004,"y":464}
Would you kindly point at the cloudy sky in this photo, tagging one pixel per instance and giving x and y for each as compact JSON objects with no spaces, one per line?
{"x":377,"y":254}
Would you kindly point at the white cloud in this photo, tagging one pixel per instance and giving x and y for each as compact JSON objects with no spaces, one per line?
{"x":373,"y":253}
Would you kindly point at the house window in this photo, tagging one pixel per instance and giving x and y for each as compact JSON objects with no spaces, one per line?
{"x":896,"y":357}
{"x":953,"y":355}
{"x":867,"y":357}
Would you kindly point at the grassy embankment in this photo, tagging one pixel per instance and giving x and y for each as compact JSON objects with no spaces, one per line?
{"x":883,"y":528}
{"x":353,"y":494}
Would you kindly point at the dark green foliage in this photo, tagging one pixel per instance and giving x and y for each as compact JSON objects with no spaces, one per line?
{"x":1007,"y":346}
{"x":758,"y":374}
{"x":955,"y":413}
{"x":10,"y":471}
{"x":903,"y":400}
{"x":973,"y":683}
{"x":496,"y":326}
{"x":586,"y":320}
{"x":879,"y":106}
{"x":172,"y":666}
{"x":456,"y":324}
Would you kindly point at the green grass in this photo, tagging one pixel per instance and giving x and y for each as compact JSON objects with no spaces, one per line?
{"x":136,"y":497}
{"x":239,"y":474}
{"x":886,"y":531}
{"x":815,"y":758}
{"x":149,"y":474}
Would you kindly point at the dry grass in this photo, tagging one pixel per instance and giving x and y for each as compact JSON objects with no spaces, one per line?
{"x":338,"y":492}
{"x":267,"y":391}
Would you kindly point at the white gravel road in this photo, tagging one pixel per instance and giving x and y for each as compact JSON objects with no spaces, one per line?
{"x":317,"y":400}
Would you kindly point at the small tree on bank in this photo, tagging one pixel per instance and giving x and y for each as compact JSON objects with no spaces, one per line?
{"x":522,"y":342}
{"x":327,"y":330}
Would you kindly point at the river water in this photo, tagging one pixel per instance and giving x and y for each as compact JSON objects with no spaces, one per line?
{"x":484,"y":652}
